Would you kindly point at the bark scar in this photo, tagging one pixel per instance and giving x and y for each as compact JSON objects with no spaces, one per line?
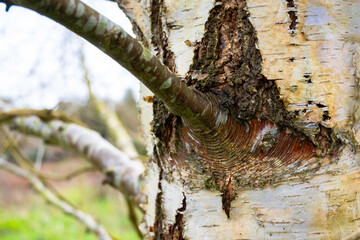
{"x":228,"y":196}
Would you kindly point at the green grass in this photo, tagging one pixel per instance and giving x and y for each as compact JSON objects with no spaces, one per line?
{"x":37,"y":220}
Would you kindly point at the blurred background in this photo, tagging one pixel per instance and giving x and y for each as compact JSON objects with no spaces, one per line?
{"x":43,"y":65}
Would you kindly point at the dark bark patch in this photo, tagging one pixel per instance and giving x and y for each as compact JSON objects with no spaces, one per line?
{"x":292,"y":15}
{"x":176,"y":230}
{"x":159,"y":38}
{"x":158,"y":225}
{"x":259,"y":144}
{"x":326,"y":116}
{"x":228,"y":195}
{"x":228,"y":64}
{"x":163,"y":126}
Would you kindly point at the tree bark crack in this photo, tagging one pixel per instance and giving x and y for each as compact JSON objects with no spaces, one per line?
{"x":176,"y":230}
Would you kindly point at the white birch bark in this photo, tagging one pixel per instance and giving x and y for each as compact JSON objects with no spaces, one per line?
{"x":323,"y":47}
{"x":317,"y":63}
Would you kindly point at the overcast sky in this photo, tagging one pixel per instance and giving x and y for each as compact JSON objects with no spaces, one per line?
{"x":40,"y":64}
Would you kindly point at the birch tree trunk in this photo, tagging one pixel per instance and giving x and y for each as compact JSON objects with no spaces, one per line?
{"x":287,"y":72}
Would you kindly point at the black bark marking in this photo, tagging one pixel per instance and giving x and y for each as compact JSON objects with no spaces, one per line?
{"x":159,"y":214}
{"x":326,"y":116}
{"x":292,"y":15}
{"x":228,"y":195}
{"x":319,"y":105}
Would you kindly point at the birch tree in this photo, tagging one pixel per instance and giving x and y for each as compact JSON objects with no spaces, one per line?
{"x":252,"y":108}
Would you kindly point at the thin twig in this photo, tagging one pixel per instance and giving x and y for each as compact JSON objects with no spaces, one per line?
{"x":69,"y":175}
{"x":132,"y":216}
{"x":84,"y":218}
{"x":43,"y":114}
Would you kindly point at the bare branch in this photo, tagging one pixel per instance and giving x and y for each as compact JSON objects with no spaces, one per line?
{"x":114,"y":127}
{"x":121,"y":172}
{"x":194,"y":107}
{"x":84,"y":218}
{"x":117,"y":133}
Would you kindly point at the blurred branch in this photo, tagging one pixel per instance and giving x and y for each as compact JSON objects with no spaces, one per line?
{"x":24,"y":162}
{"x":39,"y":156}
{"x":43,"y":114}
{"x":84,"y":218}
{"x":133,"y":218}
{"x":121,"y":172}
{"x":117,"y":134}
{"x":114,"y":127}
{"x":70,"y":175}
{"x":16,"y":152}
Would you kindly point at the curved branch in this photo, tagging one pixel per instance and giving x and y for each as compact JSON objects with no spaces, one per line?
{"x":194,"y":107}
{"x":84,"y":218}
{"x":121,"y":172}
